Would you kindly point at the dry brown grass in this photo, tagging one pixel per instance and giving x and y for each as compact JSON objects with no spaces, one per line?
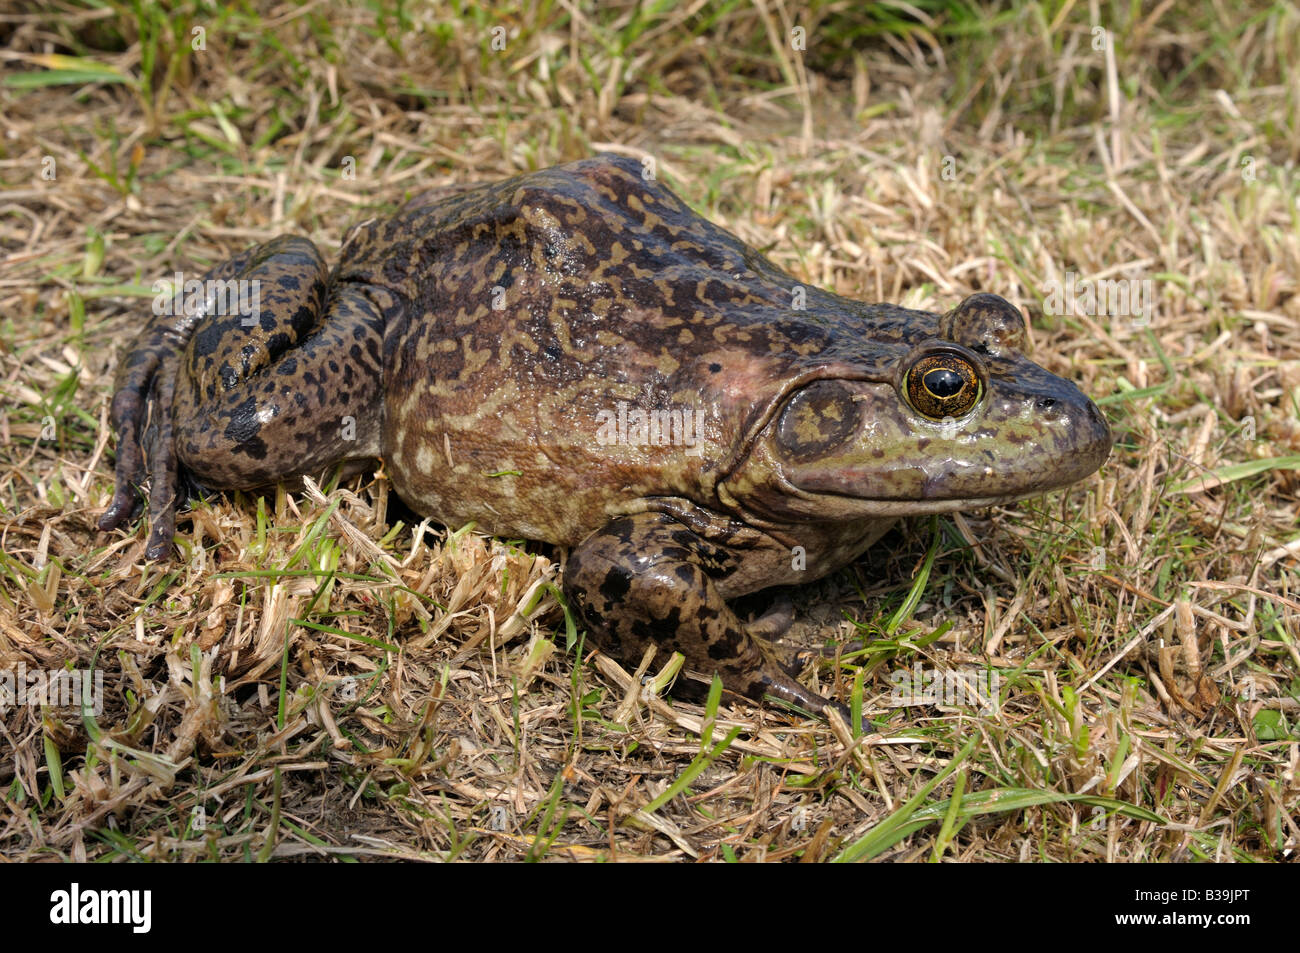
{"x":320,"y":684}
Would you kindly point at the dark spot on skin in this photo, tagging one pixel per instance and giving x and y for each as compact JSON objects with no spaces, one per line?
{"x":277,"y":344}
{"x":682,"y":537}
{"x":243,"y":429}
{"x":797,"y":333}
{"x":674,"y":553}
{"x":643,"y":631}
{"x":614,"y":587}
{"x":210,"y":338}
{"x":249,"y":353}
{"x":669,"y":625}
{"x":715,"y":368}
{"x":724,"y":649}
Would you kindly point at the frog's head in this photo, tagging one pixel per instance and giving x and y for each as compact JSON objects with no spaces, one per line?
{"x":956,"y":417}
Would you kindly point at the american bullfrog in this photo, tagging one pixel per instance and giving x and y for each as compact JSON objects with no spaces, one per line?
{"x":576,"y":357}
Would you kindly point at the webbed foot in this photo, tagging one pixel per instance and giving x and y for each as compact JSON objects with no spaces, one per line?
{"x":648,"y":579}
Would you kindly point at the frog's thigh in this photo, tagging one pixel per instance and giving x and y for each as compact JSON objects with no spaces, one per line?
{"x":315,"y":404}
{"x":647,"y":579}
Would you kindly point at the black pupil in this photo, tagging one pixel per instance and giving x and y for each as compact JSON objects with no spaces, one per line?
{"x":943,"y":383}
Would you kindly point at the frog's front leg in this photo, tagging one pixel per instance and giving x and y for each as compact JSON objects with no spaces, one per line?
{"x":279,"y":374}
{"x":648,"y":579}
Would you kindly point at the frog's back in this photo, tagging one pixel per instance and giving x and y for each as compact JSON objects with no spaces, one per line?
{"x":576,"y":340}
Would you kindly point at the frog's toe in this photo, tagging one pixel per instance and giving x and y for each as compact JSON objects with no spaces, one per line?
{"x":123,"y":508}
{"x":842,"y":709}
{"x":128,"y":474}
{"x":160,"y":544}
{"x":784,"y":688}
{"x":128,"y":413}
{"x":775,"y":622}
{"x":162,"y":459}
{"x":841,"y":649}
{"x":771,"y":626}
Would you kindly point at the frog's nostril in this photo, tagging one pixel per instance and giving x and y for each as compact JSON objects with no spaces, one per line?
{"x":1046,"y":403}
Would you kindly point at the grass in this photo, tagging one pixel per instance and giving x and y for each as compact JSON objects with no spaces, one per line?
{"x":323,"y":676}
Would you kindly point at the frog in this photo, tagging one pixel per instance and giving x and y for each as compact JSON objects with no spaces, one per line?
{"x":575,"y":356}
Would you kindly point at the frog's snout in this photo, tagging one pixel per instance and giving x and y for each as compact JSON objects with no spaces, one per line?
{"x":1097,"y":439}
{"x":1074,"y":437}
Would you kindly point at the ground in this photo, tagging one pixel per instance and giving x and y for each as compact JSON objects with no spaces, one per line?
{"x":318,"y":676}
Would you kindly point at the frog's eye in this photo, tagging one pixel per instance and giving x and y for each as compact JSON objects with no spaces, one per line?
{"x":942,"y":385}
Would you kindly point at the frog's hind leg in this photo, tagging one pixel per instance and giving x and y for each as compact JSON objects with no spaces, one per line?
{"x":141,"y":412}
{"x":282,"y":377}
{"x":647,"y":579}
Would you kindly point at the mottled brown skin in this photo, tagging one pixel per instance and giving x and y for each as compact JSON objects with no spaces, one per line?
{"x":481,"y":343}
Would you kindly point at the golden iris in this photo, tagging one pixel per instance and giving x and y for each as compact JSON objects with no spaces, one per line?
{"x":942,"y":385}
